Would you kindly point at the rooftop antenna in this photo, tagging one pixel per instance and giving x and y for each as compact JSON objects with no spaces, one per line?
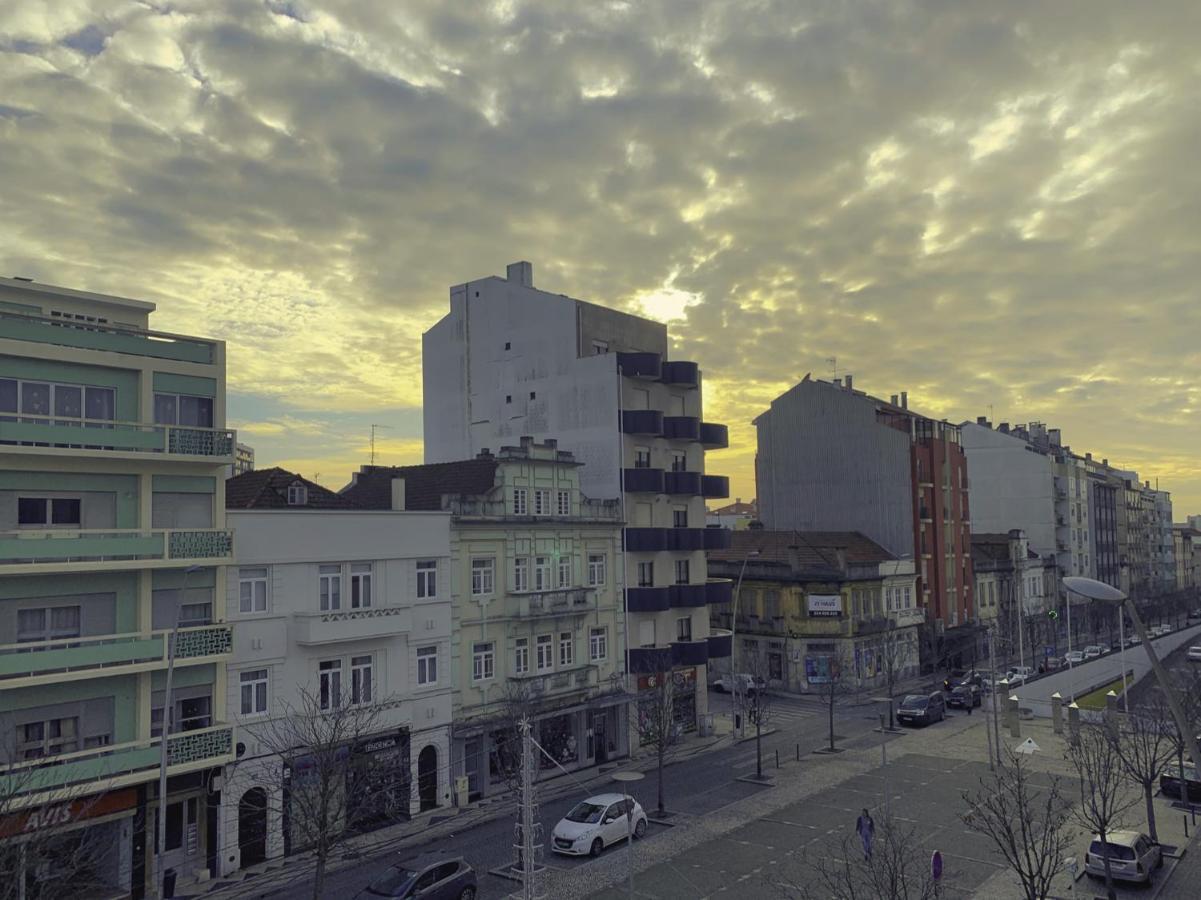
{"x":991,"y":416}
{"x":373,"y":427}
{"x":833,"y":361}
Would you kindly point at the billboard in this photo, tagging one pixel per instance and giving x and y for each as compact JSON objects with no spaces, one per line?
{"x":829,"y":605}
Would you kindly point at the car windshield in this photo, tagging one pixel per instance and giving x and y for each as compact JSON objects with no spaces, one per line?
{"x":1189,"y":772}
{"x":586,"y":812}
{"x":392,"y":883}
{"x":1116,"y":851}
{"x":914,"y":702}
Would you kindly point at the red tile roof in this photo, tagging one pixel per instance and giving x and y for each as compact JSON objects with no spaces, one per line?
{"x":425,"y":485}
{"x":268,"y":489}
{"x":807,"y":548}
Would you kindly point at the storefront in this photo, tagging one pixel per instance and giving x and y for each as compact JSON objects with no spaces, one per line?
{"x":683,"y":701}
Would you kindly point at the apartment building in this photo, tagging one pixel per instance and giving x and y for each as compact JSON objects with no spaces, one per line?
{"x":1187,"y":540}
{"x":112,"y":447}
{"x":336,"y":608}
{"x":537,"y":586}
{"x":510,"y":360}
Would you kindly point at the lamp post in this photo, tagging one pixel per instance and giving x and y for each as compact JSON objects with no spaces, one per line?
{"x":734,"y":679}
{"x":625,"y":778}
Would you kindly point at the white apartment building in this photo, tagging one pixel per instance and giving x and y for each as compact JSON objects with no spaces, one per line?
{"x":334,"y":604}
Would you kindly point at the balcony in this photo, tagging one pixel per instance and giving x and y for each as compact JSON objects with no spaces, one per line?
{"x":715,"y":487}
{"x":57,"y":550}
{"x":640,"y":365}
{"x":71,"y":659}
{"x":721,"y":644}
{"x":686,"y":538}
{"x":563,"y":602}
{"x":681,"y":372}
{"x":104,"y":437}
{"x":874,"y":625}
{"x":682,"y":483}
{"x":112,"y":339}
{"x":541,"y":684}
{"x":719,"y":590}
{"x":718,"y":538}
{"x":648,"y":599}
{"x":643,"y":481}
{"x":120,"y":764}
{"x":642,"y":421}
{"x":682,"y":428}
{"x":688,"y":596}
{"x":714,"y":437}
{"x":690,"y":653}
{"x":914,"y":615}
{"x":336,"y":626}
{"x":648,"y":540}
{"x":649,"y":660}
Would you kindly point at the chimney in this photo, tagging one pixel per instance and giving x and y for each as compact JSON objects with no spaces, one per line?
{"x":837,"y":382}
{"x":893,"y":399}
{"x":520,"y":273}
{"x":904,"y":399}
{"x":849,"y":382}
{"x":794,"y":558}
{"x":1003,"y":428}
{"x":1105,"y":462}
{"x":398,"y":493}
{"x":982,"y":421}
{"x":840,"y":554}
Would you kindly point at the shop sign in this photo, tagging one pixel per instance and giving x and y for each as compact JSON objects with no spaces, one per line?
{"x":821,"y":669}
{"x":59,"y":814}
{"x":825,"y":605}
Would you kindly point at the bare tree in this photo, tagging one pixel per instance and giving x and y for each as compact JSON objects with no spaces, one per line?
{"x":758,"y":702}
{"x":657,"y":726}
{"x":1023,"y":820}
{"x":835,"y":681}
{"x":894,"y":651}
{"x":1102,"y":779}
{"x":1144,"y":744}
{"x":898,"y":868}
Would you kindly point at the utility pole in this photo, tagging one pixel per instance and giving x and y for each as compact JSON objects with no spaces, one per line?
{"x":996,"y":726}
{"x":373,"y":427}
{"x":525,"y":830}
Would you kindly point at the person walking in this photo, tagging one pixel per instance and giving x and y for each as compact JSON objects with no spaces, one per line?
{"x":866,"y":829}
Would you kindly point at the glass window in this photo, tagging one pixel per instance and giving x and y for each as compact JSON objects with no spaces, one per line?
{"x":598,"y":643}
{"x":68,"y":401}
{"x":521,"y":573}
{"x":48,"y":738}
{"x":330,"y":583}
{"x":482,"y":576}
{"x":196,"y":411}
{"x":596,"y":569}
{"x":330,"y":674}
{"x":427,"y":665}
{"x":521,"y":656}
{"x":679,"y":517}
{"x":483,"y":661}
{"x":100,"y":404}
{"x":682,"y":571}
{"x":520,"y":502}
{"x":32,"y":511}
{"x":642,"y":457}
{"x":166,"y":409}
{"x":254,"y":692}
{"x":360,"y":585}
{"x":252,"y":590}
{"x":193,"y":614}
{"x":298,"y":495}
{"x":566,"y":649}
{"x":65,"y":511}
{"x":646,"y":574}
{"x":543,"y":656}
{"x":360,"y":679}
{"x":427,"y":579}
{"x":8,"y":395}
{"x":684,"y":629}
{"x":564,"y":503}
{"x":679,"y":461}
{"x":541,"y":502}
{"x":542,"y":573}
{"x":565,"y":573}
{"x":35,"y":398}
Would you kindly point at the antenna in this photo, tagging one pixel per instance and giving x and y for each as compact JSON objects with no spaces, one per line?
{"x":991,"y":416}
{"x":373,"y":427}
{"x":833,"y":361}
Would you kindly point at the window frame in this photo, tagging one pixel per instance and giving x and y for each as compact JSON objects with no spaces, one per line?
{"x":177,"y":408}
{"x":542,"y":502}
{"x":298,"y":494}
{"x":598,"y":639}
{"x":329,"y":684}
{"x":49,"y":515}
{"x":544,"y":642}
{"x":565,"y":571}
{"x":253,"y":581}
{"x":521,"y":656}
{"x":542,"y":573}
{"x":427,"y":579}
{"x":329,"y":588}
{"x":521,"y":501}
{"x":683,"y":568}
{"x":361,"y":578}
{"x":483,"y":661}
{"x":483,"y":576}
{"x":252,"y":687}
{"x":566,"y":643}
{"x":684,"y":628}
{"x":597,"y":566}
{"x":427,"y":666}
{"x":362,"y":679}
{"x":646,"y":576}
{"x":48,"y":631}
{"x":563,"y":503}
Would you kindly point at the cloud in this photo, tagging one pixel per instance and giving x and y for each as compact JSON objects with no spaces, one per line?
{"x":986,"y":205}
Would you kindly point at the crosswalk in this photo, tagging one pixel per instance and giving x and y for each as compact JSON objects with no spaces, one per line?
{"x":786,"y":711}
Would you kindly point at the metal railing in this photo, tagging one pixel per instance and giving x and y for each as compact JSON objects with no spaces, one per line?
{"x":62,"y":546}
{"x":106,"y":651}
{"x":95,"y":336}
{"x":76,"y":433}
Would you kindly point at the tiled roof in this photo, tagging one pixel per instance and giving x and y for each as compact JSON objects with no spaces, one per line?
{"x":424,"y":485}
{"x":807,"y":548}
{"x":268,"y":489}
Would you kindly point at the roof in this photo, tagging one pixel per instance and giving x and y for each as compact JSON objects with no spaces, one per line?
{"x":806,"y":548}
{"x":737,"y":508}
{"x":425,"y":485}
{"x":268,"y":489}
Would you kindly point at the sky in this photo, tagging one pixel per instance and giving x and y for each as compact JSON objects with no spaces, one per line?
{"x":993,"y":206}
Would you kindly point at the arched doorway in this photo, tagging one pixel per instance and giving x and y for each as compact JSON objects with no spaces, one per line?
{"x":427,"y":778}
{"x":252,"y":826}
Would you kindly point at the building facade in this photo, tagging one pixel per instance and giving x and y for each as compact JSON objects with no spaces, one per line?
{"x":112,"y":447}
{"x":510,"y":360}
{"x":243,"y":459}
{"x":335,"y":607}
{"x":1187,"y":541}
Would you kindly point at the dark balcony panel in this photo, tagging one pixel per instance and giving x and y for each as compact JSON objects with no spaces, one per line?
{"x":682,"y":483}
{"x":644,"y":481}
{"x":719,"y":590}
{"x":650,"y":660}
{"x":714,"y":436}
{"x":648,"y":599}
{"x":715,"y":487}
{"x":687,"y":538}
{"x":648,"y":540}
{"x":681,"y":372}
{"x":640,"y":365}
{"x":642,"y":421}
{"x":690,"y":653}
{"x":718,"y":538}
{"x":687,"y":596}
{"x":682,"y":428}
{"x":721,"y":645}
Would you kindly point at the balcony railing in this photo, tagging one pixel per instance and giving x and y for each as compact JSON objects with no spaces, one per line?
{"x":648,"y":599}
{"x":718,"y":538}
{"x":642,"y":421}
{"x":110,"y":654}
{"x":714,"y":436}
{"x":719,"y":590}
{"x":648,"y":540}
{"x":681,"y":372}
{"x":688,"y":483}
{"x":335,"y":626}
{"x":648,"y":660}
{"x":685,"y":596}
{"x":682,"y":428}
{"x":155,"y":344}
{"x":117,"y":764}
{"x":715,"y":487}
{"x":104,"y":435}
{"x":81,"y":548}
{"x":640,"y":365}
{"x":572,"y":678}
{"x":643,"y":481}
{"x":690,"y":653}
{"x":721,"y":644}
{"x":559,"y":602}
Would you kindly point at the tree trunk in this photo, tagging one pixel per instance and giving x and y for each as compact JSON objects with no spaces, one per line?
{"x":319,"y":873}
{"x":831,"y":718}
{"x":759,"y":748}
{"x":662,"y":752}
{"x":1109,"y":891}
{"x":1148,"y":789}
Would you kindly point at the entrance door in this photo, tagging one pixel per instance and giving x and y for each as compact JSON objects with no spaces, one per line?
{"x":600,"y":744}
{"x":427,"y":778}
{"x":473,"y":759}
{"x":252,"y":826}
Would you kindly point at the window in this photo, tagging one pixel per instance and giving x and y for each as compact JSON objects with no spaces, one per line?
{"x":330,"y":675}
{"x":483,"y":661}
{"x":44,"y":511}
{"x":360,"y":679}
{"x":565,"y":568}
{"x":564,"y":503}
{"x":543,"y":655}
{"x":254,"y":692}
{"x":520,"y":502}
{"x":541,"y":502}
{"x":684,"y":629}
{"x":679,"y":461}
{"x":533,"y":396}
{"x":679,"y":517}
{"x":47,"y":624}
{"x":427,"y":579}
{"x":508,"y":344}
{"x":427,"y":665}
{"x":599,"y":347}
{"x":331,"y":586}
{"x":508,"y":398}
{"x":598,"y":644}
{"x":181,"y":409}
{"x":48,"y":738}
{"x":482,"y":576}
{"x":681,"y":571}
{"x":521,"y":656}
{"x":193,"y":614}
{"x":646,"y":574}
{"x":252,"y":590}
{"x":596,"y":569}
{"x":542,"y":573}
{"x":298,"y":495}
{"x":65,"y":401}
{"x":521,"y":573}
{"x":642,"y":457}
{"x":566,"y":649}
{"x":360,"y":585}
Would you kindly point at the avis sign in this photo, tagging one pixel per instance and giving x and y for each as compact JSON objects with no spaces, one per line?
{"x":57,"y":815}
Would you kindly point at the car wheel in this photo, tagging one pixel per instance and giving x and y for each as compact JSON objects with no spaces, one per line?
{"x":640,"y":829}
{"x":468,"y":893}
{"x":597,"y":846}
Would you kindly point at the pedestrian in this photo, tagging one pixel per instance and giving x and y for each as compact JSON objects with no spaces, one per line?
{"x":866,"y":829}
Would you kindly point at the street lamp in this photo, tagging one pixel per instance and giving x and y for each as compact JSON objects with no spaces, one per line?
{"x":625,"y":778}
{"x":1101,"y":592}
{"x":734,"y":679}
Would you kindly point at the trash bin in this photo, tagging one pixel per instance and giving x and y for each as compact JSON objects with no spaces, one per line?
{"x":169,"y":883}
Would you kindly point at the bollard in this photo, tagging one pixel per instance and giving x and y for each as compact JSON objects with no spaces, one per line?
{"x":798,"y":752}
{"x":777,"y":759}
{"x":1011,"y":712}
{"x":1074,"y":721}
{"x":1111,"y":712}
{"x":1057,"y":713}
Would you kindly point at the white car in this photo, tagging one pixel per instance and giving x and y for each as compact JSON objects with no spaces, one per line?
{"x":1132,"y":856}
{"x":1075,"y":657}
{"x":1019,"y":675}
{"x":743,"y":683}
{"x":1092,"y":651}
{"x":1194,"y":653}
{"x":595,"y":823}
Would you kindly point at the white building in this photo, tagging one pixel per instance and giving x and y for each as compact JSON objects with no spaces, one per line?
{"x":347,"y":605}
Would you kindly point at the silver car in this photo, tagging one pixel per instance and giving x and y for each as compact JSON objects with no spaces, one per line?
{"x":1132,"y":856}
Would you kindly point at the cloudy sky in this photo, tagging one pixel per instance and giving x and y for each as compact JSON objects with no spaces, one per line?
{"x":994,"y":206}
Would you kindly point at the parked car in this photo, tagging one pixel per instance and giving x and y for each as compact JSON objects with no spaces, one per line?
{"x":924,"y":708}
{"x":1075,"y":657}
{"x":595,"y":823}
{"x":1092,"y":651}
{"x":1019,"y":674}
{"x":1134,"y":639}
{"x":1194,"y":653}
{"x":961,"y":676}
{"x":744,"y":683}
{"x":1132,"y":856}
{"x":964,"y":695}
{"x":1194,"y":615}
{"x":430,"y":877}
{"x":1169,"y":782}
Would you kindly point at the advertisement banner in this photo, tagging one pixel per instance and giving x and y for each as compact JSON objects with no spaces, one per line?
{"x":828,"y":605}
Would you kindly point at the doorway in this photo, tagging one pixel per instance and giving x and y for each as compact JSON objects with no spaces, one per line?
{"x":600,"y":743}
{"x":252,"y":826}
{"x":427,"y":778}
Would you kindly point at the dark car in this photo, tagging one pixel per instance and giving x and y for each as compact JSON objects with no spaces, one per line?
{"x":961,"y":676}
{"x":430,"y":878}
{"x":924,"y":708}
{"x":1169,"y":783}
{"x":964,"y":695}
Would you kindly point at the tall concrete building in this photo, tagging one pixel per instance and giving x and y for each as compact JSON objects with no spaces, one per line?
{"x":510,"y":360}
{"x":831,"y":458}
{"x":112,"y":447}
